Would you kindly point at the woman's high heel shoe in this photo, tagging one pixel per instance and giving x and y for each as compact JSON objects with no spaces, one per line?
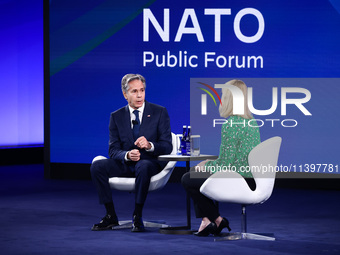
{"x":209,"y":229}
{"x":224,"y":224}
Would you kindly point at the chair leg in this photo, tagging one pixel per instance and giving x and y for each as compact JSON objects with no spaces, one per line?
{"x":123,"y":224}
{"x":148,"y":224}
{"x":243,"y":234}
{"x":155,"y":224}
{"x":244,"y":219}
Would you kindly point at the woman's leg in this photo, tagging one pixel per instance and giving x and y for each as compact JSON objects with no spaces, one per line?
{"x":204,"y":207}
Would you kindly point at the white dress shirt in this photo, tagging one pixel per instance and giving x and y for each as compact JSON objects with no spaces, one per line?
{"x":140,"y":114}
{"x":132,"y":117}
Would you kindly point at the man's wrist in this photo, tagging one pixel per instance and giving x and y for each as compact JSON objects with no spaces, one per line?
{"x":152,"y":147}
{"x":126,"y":158}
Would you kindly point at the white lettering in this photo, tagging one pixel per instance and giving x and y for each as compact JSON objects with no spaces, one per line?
{"x":272,"y":120}
{"x":249,"y":121}
{"x":207,"y":59}
{"x":237,"y":21}
{"x":250,"y":58}
{"x":146,"y":59}
{"x":204,"y":104}
{"x":163,"y":33}
{"x":284,"y":123}
{"x":217,"y":13}
{"x":170,"y":60}
{"x":189,"y":30}
{"x":298,"y":101}
{"x":224,"y":61}
{"x":234,"y":61}
{"x":219,"y":122}
{"x":295,"y":122}
{"x":238,"y":100}
{"x":262,"y":112}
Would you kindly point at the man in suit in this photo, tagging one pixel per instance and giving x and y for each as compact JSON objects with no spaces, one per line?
{"x":139,"y":132}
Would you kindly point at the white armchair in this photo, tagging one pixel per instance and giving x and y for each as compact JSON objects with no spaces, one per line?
{"x":157,"y":182}
{"x":232,"y":188}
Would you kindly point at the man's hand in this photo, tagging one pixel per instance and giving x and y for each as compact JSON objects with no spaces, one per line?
{"x":142,"y":143}
{"x":134,"y":155}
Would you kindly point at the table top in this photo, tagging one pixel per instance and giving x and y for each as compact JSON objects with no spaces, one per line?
{"x":174,"y":157}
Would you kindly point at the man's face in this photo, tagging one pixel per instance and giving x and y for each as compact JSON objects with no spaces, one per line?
{"x":136,"y":94}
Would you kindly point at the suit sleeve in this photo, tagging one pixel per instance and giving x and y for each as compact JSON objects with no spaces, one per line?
{"x":115,"y":150}
{"x":163,"y":145}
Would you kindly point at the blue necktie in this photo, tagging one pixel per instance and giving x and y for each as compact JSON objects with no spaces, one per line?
{"x":136,"y":125}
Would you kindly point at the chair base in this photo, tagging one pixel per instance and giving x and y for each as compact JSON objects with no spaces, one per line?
{"x":182,"y":230}
{"x":148,"y":224}
{"x":242,"y":236}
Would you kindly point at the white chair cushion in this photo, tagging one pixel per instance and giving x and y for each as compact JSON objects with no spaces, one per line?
{"x":157,"y":181}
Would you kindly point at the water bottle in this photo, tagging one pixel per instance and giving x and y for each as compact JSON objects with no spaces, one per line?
{"x":183,"y":141}
{"x":187,"y":141}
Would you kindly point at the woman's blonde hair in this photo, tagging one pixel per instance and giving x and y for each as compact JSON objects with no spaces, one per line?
{"x":226,"y":108}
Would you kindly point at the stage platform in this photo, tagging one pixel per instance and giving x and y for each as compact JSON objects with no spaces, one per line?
{"x":40,"y":216}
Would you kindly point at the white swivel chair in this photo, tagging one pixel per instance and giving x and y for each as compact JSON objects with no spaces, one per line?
{"x":232,"y":188}
{"x":157,"y":182}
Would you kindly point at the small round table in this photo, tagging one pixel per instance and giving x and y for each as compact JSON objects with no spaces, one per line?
{"x":183,"y":230}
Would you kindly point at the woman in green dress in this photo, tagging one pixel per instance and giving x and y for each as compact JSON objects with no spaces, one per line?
{"x":239,"y":135}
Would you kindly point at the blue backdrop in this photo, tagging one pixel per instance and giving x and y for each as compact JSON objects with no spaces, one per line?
{"x":94,"y":43}
{"x":21,"y":79}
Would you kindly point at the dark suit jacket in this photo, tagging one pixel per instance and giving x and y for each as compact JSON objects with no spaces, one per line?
{"x":155,"y":128}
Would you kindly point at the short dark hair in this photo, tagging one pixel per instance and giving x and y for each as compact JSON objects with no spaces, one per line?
{"x":130,"y":77}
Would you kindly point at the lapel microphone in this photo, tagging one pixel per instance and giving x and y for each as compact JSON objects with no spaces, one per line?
{"x":134,"y":121}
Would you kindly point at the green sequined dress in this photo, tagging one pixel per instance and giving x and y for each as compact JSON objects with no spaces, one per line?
{"x":238,"y":137}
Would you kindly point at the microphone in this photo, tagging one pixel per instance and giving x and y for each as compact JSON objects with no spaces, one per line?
{"x":134,"y":121}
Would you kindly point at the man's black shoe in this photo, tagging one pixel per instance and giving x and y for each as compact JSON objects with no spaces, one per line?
{"x":106,"y":223}
{"x":137,"y":225}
